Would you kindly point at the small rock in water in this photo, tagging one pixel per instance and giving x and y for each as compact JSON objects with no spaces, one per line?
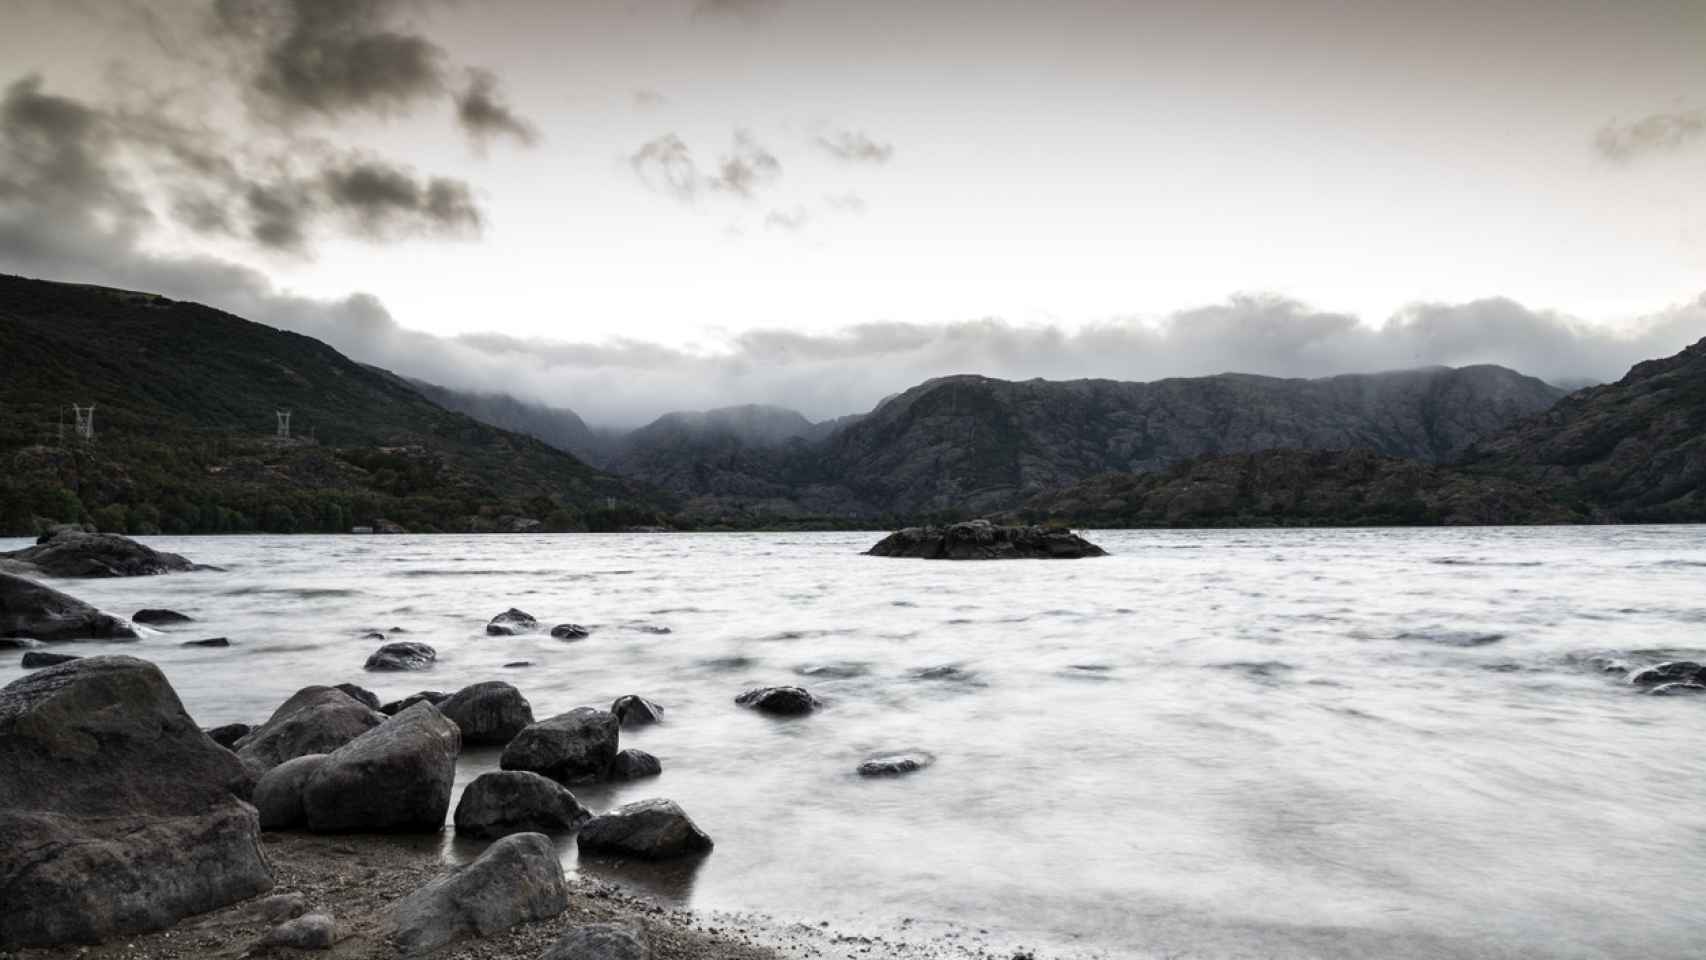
{"x":228,"y":734}
{"x":779,"y":701}
{"x":209,"y":642}
{"x":1672,"y":671}
{"x":570,"y":631}
{"x":636,"y":711}
{"x":518,"y":664}
{"x":434,"y":697}
{"x":599,"y":941}
{"x":647,"y":830}
{"x":18,"y":643}
{"x":314,"y":931}
{"x":1677,"y":690}
{"x":33,"y":659}
{"x":896,"y":764}
{"x":634,"y":764}
{"x":511,"y":622}
{"x":374,"y":635}
{"x":156,"y":618}
{"x":360,"y":694}
{"x":653,"y":629}
{"x":402,"y":655}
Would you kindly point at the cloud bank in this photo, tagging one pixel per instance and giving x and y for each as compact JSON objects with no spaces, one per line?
{"x":1655,"y":133}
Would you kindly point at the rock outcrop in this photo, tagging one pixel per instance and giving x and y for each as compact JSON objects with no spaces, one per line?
{"x":489,"y":713}
{"x":570,"y":748}
{"x":983,"y":540}
{"x":646,"y":830}
{"x":117,"y":814}
{"x":396,"y":777}
{"x":314,"y":720}
{"x":517,"y":801}
{"x":516,"y":880}
{"x":29,"y":609}
{"x":73,"y":553}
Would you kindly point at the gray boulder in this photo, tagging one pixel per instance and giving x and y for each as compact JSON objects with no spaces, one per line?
{"x":570,"y":748}
{"x":281,"y":907}
{"x":35,"y":659}
{"x":402,"y":655}
{"x":646,"y":830}
{"x":278,"y":794}
{"x":511,"y":622}
{"x":434,"y":697}
{"x":73,"y":553}
{"x":634,"y":764}
{"x":488,"y":713}
{"x":396,"y":777}
{"x":517,"y":880}
{"x":517,"y":801}
{"x":28,"y":609}
{"x":779,"y":701}
{"x":117,"y":814}
{"x":361,"y":695}
{"x":314,"y":720}
{"x":314,"y":931}
{"x":896,"y":764}
{"x":599,"y":941}
{"x":636,"y":711}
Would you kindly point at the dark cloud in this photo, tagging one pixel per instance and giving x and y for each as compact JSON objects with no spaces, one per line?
{"x":484,"y":115}
{"x":385,"y":202}
{"x":55,"y":154}
{"x":852,"y":146}
{"x":1657,"y":133}
{"x":666,"y":165}
{"x":747,"y":168}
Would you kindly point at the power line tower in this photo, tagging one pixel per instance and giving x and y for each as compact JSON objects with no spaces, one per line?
{"x":283,"y":423}
{"x":85,"y":421}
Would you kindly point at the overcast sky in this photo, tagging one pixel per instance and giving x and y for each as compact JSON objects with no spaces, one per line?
{"x":628,"y":207}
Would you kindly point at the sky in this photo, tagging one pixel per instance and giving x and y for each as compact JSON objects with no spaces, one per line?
{"x":632,"y":206}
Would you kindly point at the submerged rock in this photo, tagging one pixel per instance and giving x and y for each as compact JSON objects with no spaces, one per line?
{"x":314,"y":720}
{"x":983,"y":540}
{"x":779,"y":701}
{"x":511,"y":622}
{"x":647,"y":830}
{"x":573,"y":747}
{"x":634,"y":764}
{"x":73,"y":553}
{"x":517,"y":801}
{"x":896,"y":764}
{"x":488,"y":713}
{"x":34,"y":659}
{"x":1677,"y":690}
{"x":209,"y":642}
{"x":117,"y":815}
{"x":570,"y":631}
{"x":1671,"y":671}
{"x":29,"y":609}
{"x":517,"y":879}
{"x":396,"y":777}
{"x":599,"y":941}
{"x":157,"y":618}
{"x":434,"y":697}
{"x":636,"y":711}
{"x":402,"y":655}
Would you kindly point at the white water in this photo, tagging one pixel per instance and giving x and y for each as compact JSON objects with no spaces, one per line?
{"x":1341,"y":744}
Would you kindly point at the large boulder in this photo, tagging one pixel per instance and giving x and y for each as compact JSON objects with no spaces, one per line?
{"x":779,"y":701}
{"x":517,"y":880}
{"x":360,"y":694}
{"x":29,"y":609}
{"x":517,"y":801}
{"x":599,"y":941}
{"x":573,"y":747}
{"x":73,"y":553}
{"x":511,"y":622}
{"x":983,"y":540}
{"x":488,"y":713}
{"x":278,"y":794}
{"x":402,"y":655}
{"x":314,"y":720}
{"x":647,"y":830}
{"x":117,"y":814}
{"x":396,"y":777}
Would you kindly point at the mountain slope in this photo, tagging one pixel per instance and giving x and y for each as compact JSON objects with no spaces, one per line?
{"x":558,"y":426}
{"x":185,"y":398}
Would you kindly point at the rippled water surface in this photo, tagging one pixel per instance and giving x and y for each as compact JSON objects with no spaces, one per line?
{"x":1341,"y":744}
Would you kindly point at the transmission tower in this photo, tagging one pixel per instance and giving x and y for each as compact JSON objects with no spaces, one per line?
{"x":283,"y":424}
{"x":85,"y":421}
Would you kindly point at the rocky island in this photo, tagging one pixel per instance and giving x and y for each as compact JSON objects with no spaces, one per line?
{"x":983,"y":540}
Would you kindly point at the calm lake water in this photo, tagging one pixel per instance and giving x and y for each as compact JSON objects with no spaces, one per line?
{"x":1266,"y":744}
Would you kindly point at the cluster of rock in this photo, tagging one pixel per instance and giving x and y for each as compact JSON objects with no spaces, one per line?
{"x":513,"y":622}
{"x":983,"y":540}
{"x":73,"y":552}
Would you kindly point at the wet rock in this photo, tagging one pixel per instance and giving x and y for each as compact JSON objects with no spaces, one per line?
{"x":517,"y":801}
{"x":73,"y":553}
{"x":518,"y":664}
{"x":158,"y":618}
{"x":653,"y":629}
{"x":488,"y":713}
{"x":517,"y":879}
{"x":570,"y":631}
{"x":1671,"y":671}
{"x":636,"y":711}
{"x":599,"y":941}
{"x":434,"y":697}
{"x":278,"y":794}
{"x":573,"y":747}
{"x":361,"y":695}
{"x":647,"y":830}
{"x":634,"y":764}
{"x":374,"y":635}
{"x":511,"y":622}
{"x":396,"y":777}
{"x":209,"y":642}
{"x":895,"y":764}
{"x":983,"y":540}
{"x":28,"y":609}
{"x":228,"y":734}
{"x":315,"y":931}
{"x":117,"y":814}
{"x":779,"y":701}
{"x":402,"y":655}
{"x":314,"y":720}
{"x":1677,"y":690}
{"x":34,"y":659}
{"x":19,"y":643}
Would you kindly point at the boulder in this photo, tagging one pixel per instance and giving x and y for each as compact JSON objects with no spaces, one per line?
{"x":570,"y":631}
{"x":278,"y":794}
{"x":402,"y":655}
{"x":117,"y":814}
{"x":396,"y":777}
{"x":511,"y":622}
{"x":634,"y":764}
{"x":228,"y":734}
{"x":157,"y":618}
{"x":73,"y":553}
{"x":361,"y":695}
{"x":209,"y":642}
{"x":314,"y":720}
{"x":647,"y":830}
{"x":636,"y":711}
{"x":434,"y":697}
{"x":314,"y":931}
{"x":28,"y":609}
{"x":599,"y":941}
{"x":34,"y":659}
{"x":895,"y":764}
{"x":573,"y":747}
{"x":517,"y":801}
{"x":779,"y":701}
{"x":488,"y":713}
{"x":1671,"y":671}
{"x":983,"y":540}
{"x":516,"y":880}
